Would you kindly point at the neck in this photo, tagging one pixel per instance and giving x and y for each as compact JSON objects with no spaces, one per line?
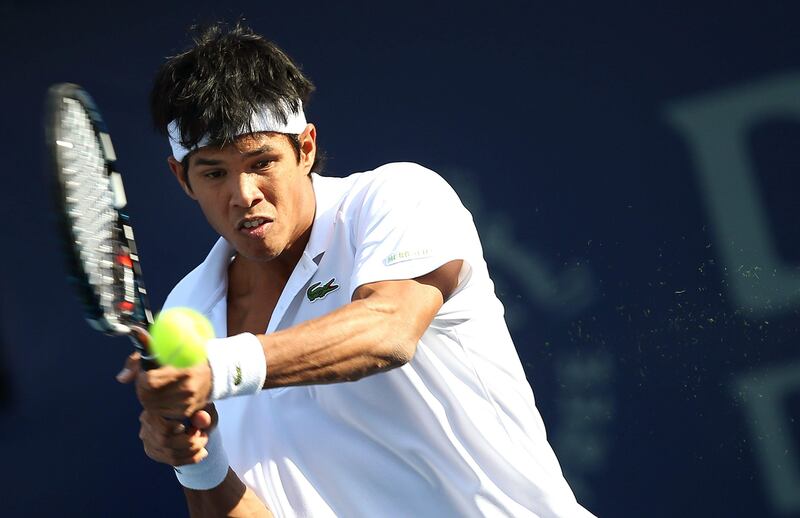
{"x":247,"y":275}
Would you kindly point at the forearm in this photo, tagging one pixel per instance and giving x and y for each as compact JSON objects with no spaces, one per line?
{"x":231,"y":498}
{"x":370,"y":335}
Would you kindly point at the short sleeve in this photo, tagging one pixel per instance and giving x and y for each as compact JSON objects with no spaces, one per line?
{"x":410,"y":222}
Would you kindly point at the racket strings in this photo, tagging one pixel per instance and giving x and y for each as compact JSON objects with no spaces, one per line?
{"x":90,"y":202}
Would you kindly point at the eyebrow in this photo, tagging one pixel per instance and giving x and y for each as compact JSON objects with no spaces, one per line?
{"x":206,"y":161}
{"x":266,"y":148}
{"x":210,"y":161}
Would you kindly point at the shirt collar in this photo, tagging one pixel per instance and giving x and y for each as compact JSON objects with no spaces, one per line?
{"x":207,"y":284}
{"x":328,"y":195}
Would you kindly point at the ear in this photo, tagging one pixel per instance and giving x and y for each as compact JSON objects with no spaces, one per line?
{"x":308,"y":146}
{"x":180,"y":175}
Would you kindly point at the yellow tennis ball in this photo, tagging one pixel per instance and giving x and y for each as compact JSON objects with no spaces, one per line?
{"x":178,"y":337}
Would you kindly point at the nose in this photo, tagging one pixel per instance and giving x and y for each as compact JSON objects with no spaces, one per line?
{"x":246,"y":192}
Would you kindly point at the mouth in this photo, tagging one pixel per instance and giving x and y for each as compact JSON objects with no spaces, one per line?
{"x":253,"y":226}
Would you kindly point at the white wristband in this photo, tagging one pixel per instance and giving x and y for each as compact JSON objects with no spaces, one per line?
{"x":209,"y":472}
{"x":238,"y":366}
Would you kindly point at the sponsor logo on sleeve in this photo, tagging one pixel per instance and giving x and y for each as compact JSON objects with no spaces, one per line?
{"x":407,"y":255}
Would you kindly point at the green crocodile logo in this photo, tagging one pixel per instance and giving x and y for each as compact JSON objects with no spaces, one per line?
{"x":317,"y":290}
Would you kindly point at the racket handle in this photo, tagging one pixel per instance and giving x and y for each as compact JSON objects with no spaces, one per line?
{"x":141,"y":342}
{"x":140,"y":338}
{"x":147,"y":363}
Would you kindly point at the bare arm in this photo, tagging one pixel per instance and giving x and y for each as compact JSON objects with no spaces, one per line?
{"x":231,"y":498}
{"x":378,"y":331}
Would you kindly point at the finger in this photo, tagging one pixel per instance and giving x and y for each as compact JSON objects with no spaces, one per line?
{"x":178,"y":401}
{"x":179,"y":428}
{"x":162,"y":445}
{"x":130,"y":369}
{"x":166,"y":434}
{"x":190,"y":459}
{"x":160,"y":389}
{"x":187,"y":443}
{"x":163,"y":377}
{"x":173,"y":457}
{"x":159,"y":426}
{"x":181,"y":449}
{"x":201,"y":419}
{"x":153,"y":428}
{"x":170,"y":391}
{"x":175,"y":413}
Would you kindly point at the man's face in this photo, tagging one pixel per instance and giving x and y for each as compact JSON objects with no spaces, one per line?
{"x":254,"y":192}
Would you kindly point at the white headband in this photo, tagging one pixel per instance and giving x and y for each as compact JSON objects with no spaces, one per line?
{"x":265,"y":119}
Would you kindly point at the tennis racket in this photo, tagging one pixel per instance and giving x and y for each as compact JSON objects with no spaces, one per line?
{"x":95,"y":229}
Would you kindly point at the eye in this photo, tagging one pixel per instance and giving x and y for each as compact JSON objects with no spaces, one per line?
{"x":262,"y":164}
{"x":214,"y":174}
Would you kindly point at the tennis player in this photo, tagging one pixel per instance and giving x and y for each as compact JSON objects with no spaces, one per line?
{"x":364,"y":367}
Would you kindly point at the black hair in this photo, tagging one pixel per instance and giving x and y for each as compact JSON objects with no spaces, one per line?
{"x":214,"y":87}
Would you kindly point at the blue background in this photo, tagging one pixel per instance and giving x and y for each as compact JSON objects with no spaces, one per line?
{"x":556,"y":124}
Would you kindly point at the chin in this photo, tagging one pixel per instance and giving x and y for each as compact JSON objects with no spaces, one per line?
{"x":255,"y":251}
{"x":261,"y":256}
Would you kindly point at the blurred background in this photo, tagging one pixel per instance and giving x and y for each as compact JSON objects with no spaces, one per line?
{"x":633,"y":171}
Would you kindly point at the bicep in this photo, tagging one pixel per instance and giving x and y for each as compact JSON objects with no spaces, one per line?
{"x":416,"y":300}
{"x":444,"y":278}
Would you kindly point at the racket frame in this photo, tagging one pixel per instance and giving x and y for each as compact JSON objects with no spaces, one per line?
{"x":132,"y":307}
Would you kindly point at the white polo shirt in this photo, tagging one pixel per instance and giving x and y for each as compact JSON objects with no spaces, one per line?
{"x":454,"y":432}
